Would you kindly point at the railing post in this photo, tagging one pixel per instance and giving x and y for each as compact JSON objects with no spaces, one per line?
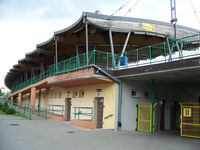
{"x":92,"y":115}
{"x":165,"y":51}
{"x":62,"y":110}
{"x":181,"y":48}
{"x":94,"y":58}
{"x":70,"y":63}
{"x":30,"y":113}
{"x":78,"y":113}
{"x":126,"y":62}
{"x":24,"y":111}
{"x":107,"y":59}
{"x":150,"y":53}
{"x":137,"y":56}
{"x":46,"y":114}
{"x":74,"y":112}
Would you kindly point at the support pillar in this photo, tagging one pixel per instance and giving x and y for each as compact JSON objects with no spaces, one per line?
{"x":153,"y":101}
{"x":19,"y":98}
{"x":112,"y":49}
{"x":56,"y":54}
{"x":33,"y":97}
{"x":124,"y":48}
{"x":86,"y":40}
{"x":77,"y":56}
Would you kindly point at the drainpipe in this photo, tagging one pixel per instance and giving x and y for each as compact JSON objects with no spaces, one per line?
{"x":153,"y":101}
{"x":118,"y":113}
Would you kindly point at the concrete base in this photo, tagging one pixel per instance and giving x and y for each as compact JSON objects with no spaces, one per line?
{"x":88,"y":124}
{"x":56,"y":117}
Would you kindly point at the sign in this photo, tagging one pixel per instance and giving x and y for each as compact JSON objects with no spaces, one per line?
{"x":99,"y":90}
{"x":148,"y":27}
{"x":187,"y":112}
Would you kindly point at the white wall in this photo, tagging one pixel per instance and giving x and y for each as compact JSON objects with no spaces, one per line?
{"x":162,"y":92}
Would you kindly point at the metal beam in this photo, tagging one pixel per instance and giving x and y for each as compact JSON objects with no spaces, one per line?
{"x":56,"y":54}
{"x":170,"y":50}
{"x":125,"y":45}
{"x":47,"y":53}
{"x":86,"y":40}
{"x":31,"y":59}
{"x":173,"y":15}
{"x":112,"y":49}
{"x":77,"y":55}
{"x":42,"y":69}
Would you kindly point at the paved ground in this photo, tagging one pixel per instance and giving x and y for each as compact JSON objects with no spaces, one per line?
{"x":53,"y":135}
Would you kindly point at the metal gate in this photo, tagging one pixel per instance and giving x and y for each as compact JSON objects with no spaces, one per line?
{"x":190,"y":120}
{"x":144,"y":118}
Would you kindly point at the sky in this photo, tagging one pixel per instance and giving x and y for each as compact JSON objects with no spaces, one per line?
{"x":25,"y":23}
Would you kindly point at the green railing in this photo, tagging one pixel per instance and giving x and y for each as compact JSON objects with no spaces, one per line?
{"x":177,"y":49}
{"x":56,"y":109}
{"x":29,"y":111}
{"x":83,"y":111}
{"x":50,"y":72}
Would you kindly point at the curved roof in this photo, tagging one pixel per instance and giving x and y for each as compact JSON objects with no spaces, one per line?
{"x":144,"y":32}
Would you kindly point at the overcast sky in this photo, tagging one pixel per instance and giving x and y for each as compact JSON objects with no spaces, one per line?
{"x":25,"y":23}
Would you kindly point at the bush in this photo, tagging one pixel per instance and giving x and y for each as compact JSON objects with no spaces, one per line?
{"x":10,"y":111}
{"x":1,"y":106}
{"x":5,"y":106}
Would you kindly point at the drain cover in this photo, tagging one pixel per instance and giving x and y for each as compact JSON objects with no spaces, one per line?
{"x":70,"y":132}
{"x":14,"y":124}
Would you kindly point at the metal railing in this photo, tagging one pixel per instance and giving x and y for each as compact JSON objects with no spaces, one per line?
{"x":83,"y":111}
{"x":177,"y":49}
{"x":50,"y":72}
{"x":56,"y":109}
{"x":29,"y":111}
{"x":173,"y":50}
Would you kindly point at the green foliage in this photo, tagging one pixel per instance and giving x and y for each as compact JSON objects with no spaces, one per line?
{"x":5,"y":106}
{"x":1,"y":106}
{"x":10,"y":111}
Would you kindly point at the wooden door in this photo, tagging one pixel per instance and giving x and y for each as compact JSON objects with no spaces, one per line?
{"x":67,"y":109}
{"x":100,"y":102}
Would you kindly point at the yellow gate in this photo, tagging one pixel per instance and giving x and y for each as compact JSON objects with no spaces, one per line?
{"x":144,"y":120}
{"x":190,"y":120}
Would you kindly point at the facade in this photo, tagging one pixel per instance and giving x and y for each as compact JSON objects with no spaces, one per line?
{"x":114,"y":72}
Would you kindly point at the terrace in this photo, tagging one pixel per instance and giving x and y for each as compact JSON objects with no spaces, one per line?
{"x":174,"y":50}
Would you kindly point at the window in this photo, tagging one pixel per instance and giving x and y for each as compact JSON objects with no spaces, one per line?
{"x":146,"y":94}
{"x":81,"y":93}
{"x":51,"y":95}
{"x":60,"y":95}
{"x":55,"y":95}
{"x":75,"y":94}
{"x":135,"y":93}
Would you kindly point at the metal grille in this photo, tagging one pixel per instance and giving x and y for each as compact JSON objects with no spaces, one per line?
{"x":190,"y":120}
{"x":144,"y":117}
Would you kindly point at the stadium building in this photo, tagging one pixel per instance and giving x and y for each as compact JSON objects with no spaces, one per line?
{"x":114,"y":72}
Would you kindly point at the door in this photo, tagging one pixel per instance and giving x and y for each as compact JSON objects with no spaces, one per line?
{"x":67,"y":109}
{"x":162,"y":116}
{"x":100,"y":102}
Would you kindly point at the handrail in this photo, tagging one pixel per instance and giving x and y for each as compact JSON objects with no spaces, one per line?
{"x":56,"y":109}
{"x":28,"y":110}
{"x":78,"y":112}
